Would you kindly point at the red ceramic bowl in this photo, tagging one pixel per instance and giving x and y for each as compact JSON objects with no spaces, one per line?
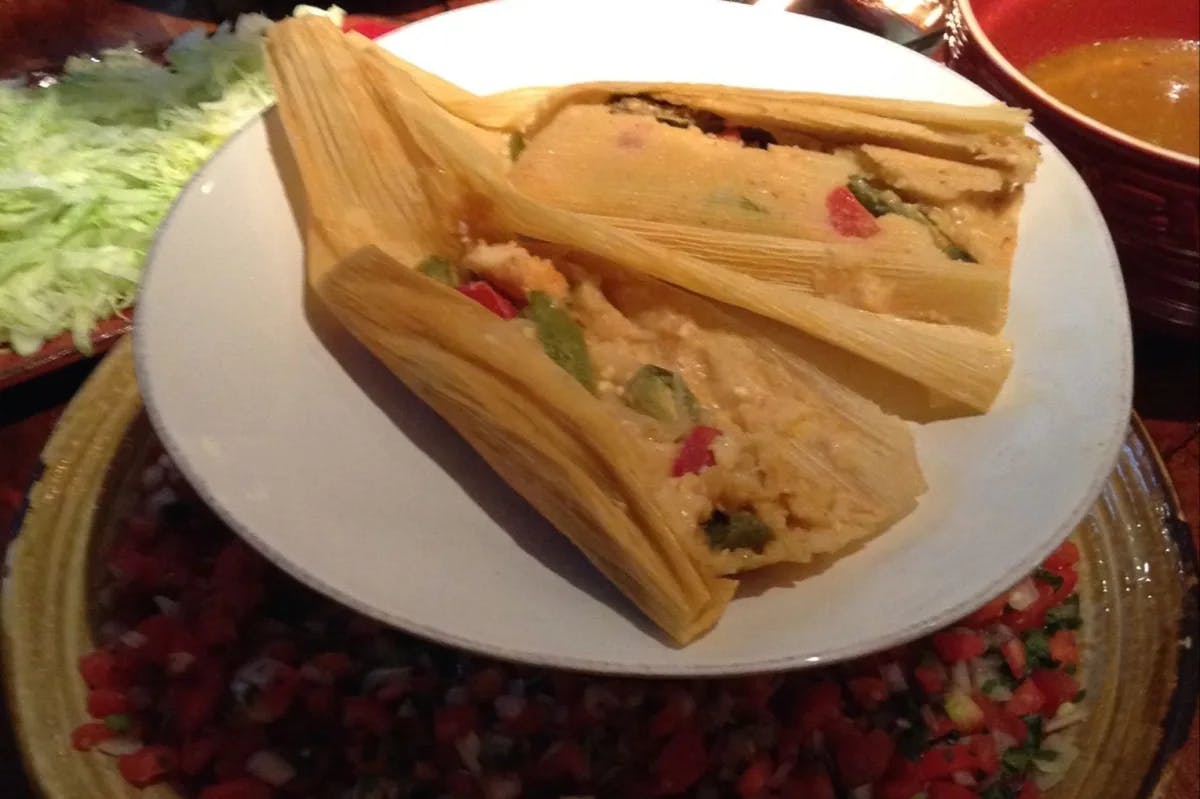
{"x":1149,"y":195}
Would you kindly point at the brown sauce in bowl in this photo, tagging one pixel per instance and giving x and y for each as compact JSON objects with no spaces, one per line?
{"x":1148,"y":88}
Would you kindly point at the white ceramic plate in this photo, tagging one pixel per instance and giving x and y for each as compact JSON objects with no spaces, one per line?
{"x":320,"y":458}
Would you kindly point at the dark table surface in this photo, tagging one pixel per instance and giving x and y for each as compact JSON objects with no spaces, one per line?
{"x":38,"y":34}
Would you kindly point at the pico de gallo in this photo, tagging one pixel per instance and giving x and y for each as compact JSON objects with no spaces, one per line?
{"x":217,"y":674}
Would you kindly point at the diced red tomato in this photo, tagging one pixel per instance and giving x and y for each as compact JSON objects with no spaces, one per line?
{"x":902,"y":781}
{"x":953,"y":646}
{"x":868,"y":692}
{"x":950,"y":790}
{"x":694,"y":454}
{"x":811,"y":782}
{"x":1014,"y":655}
{"x":998,"y":719}
{"x":942,"y":761}
{"x":989,"y":613}
{"x":681,"y":763}
{"x":982,"y":749}
{"x":216,"y":627}
{"x":487,"y":683}
{"x":677,"y":711}
{"x":100,"y":669}
{"x":753,"y":781}
{"x":486,"y":295}
{"x":1056,"y":686}
{"x":334,"y":665}
{"x":160,"y":632}
{"x":817,"y":705}
{"x":196,"y":753}
{"x":530,"y":721}
{"x":932,"y":677}
{"x":103,"y":702}
{"x":1034,"y":616}
{"x":86,"y":736}
{"x":848,"y":216}
{"x":1027,"y":698}
{"x":148,"y":765}
{"x":1063,"y":558}
{"x":132,"y":565}
{"x":1029,"y":790}
{"x":370,"y":26}
{"x":320,"y":700}
{"x":370,"y":714}
{"x":756,"y":691}
{"x":862,"y":758}
{"x":564,"y":759}
{"x":239,"y":788}
{"x":193,"y":700}
{"x":1063,"y":648}
{"x":453,"y":722}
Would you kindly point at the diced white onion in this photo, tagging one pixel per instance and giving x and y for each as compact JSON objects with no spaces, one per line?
{"x":1061,"y":746}
{"x":1023,"y":595}
{"x":166,"y":605}
{"x":469,"y":747}
{"x":133,"y":639}
{"x":377,"y":678}
{"x":119,"y":745}
{"x":861,"y":792}
{"x":893,"y":675}
{"x":315,"y":674}
{"x":964,"y":778}
{"x":1063,"y":720}
{"x":1003,"y":740}
{"x":960,"y":675}
{"x":270,"y":767}
{"x":509,"y":707}
{"x":179,"y":662}
{"x":160,"y":499}
{"x":259,"y":672}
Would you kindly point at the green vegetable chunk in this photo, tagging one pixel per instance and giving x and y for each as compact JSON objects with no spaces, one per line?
{"x":118,"y":722}
{"x":738,"y":530}
{"x":561,"y":337}
{"x":440,"y":269}
{"x":884,"y":201}
{"x":661,"y":394}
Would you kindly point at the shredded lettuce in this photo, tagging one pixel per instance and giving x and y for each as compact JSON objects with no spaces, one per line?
{"x":90,"y":163}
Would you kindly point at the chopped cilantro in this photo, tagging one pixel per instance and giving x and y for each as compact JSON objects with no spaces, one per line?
{"x":1065,"y":616}
{"x":913,"y":742}
{"x":1048,"y":577}
{"x":1037,"y":650}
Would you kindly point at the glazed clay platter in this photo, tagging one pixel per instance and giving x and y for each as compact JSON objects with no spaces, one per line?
{"x":320,"y":458}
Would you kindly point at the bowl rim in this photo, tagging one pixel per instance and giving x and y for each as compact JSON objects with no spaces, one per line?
{"x":1017,"y":76}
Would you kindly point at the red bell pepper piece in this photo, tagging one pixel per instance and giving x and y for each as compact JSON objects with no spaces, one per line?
{"x":681,"y":763}
{"x":486,"y":295}
{"x":848,"y":216}
{"x":695,"y":455}
{"x":1064,"y":649}
{"x":369,"y":26}
{"x":1062,"y":558}
{"x":1014,"y":655}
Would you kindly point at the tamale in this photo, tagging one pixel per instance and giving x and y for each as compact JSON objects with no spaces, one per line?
{"x":589,"y":404}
